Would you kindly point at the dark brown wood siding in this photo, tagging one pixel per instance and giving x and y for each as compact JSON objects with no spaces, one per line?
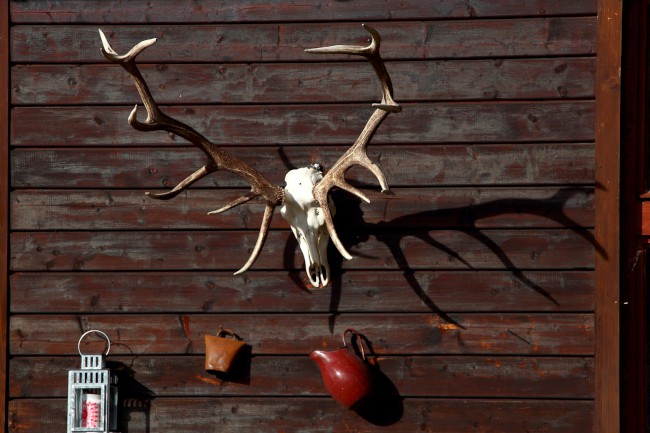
{"x":473,"y":280}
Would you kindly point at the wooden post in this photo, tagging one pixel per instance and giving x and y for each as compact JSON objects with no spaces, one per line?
{"x":608,"y":96}
{"x":4,"y":203}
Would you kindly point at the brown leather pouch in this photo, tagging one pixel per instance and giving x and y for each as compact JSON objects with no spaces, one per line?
{"x":222,"y":349}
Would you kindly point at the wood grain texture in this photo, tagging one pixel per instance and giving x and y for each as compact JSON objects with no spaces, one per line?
{"x":552,"y":36}
{"x":282,"y":291}
{"x":462,"y":333}
{"x":608,"y":226}
{"x":473,"y":281}
{"x":490,"y":207}
{"x":320,"y":415}
{"x":305,"y":83}
{"x":413,"y":376}
{"x":445,"y":165}
{"x":313,"y":124}
{"x":388,"y":250}
{"x":4,"y":209}
{"x":204,"y":11}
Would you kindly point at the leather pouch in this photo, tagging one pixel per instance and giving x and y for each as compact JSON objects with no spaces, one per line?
{"x":221,"y":350}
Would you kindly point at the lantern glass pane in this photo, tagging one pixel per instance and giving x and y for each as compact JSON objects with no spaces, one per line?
{"x":89,"y":409}
{"x":113,"y":408}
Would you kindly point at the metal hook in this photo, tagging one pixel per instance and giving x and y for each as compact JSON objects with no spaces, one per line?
{"x":102,"y":334}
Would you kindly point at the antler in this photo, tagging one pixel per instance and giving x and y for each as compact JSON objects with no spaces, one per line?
{"x":218,"y":159}
{"x":357,"y":153}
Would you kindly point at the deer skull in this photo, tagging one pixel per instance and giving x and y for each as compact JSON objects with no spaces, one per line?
{"x":305,"y":216}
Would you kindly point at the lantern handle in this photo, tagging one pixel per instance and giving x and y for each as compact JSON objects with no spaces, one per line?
{"x":96,"y":331}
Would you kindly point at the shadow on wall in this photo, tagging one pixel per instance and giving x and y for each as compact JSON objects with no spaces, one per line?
{"x":134,"y":398}
{"x":356,"y":231}
{"x":384,"y":406}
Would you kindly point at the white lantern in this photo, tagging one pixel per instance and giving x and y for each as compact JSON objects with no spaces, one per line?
{"x":92,"y":393}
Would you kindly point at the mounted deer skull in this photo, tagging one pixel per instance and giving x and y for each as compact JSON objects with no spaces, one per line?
{"x":307,"y":221}
{"x":304,"y":201}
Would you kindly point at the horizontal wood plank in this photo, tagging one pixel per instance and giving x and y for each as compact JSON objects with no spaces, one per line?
{"x":553,"y":78}
{"x":435,"y":208}
{"x":209,"y":250}
{"x":258,"y":291}
{"x":284,"y":42}
{"x":481,"y":334}
{"x":444,"y":165}
{"x":313,"y":124}
{"x":323,"y":415}
{"x":412,"y":376}
{"x":205,"y":11}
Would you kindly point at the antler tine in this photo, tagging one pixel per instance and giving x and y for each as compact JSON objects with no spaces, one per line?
{"x":198,"y":174}
{"x":261,"y":238}
{"x":156,"y":119}
{"x":357,"y":154}
{"x":236,"y":202}
{"x":371,"y":52}
{"x":218,"y":159}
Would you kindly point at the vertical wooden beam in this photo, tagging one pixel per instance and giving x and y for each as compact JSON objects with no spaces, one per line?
{"x":4,"y":206}
{"x":608,"y":105}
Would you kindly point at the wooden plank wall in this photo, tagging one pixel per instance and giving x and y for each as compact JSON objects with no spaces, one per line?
{"x":473,"y":280}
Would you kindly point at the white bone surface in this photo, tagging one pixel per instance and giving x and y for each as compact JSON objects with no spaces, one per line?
{"x":305,"y":216}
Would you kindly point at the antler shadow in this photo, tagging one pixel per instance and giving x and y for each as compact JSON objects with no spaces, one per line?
{"x":392,"y":232}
